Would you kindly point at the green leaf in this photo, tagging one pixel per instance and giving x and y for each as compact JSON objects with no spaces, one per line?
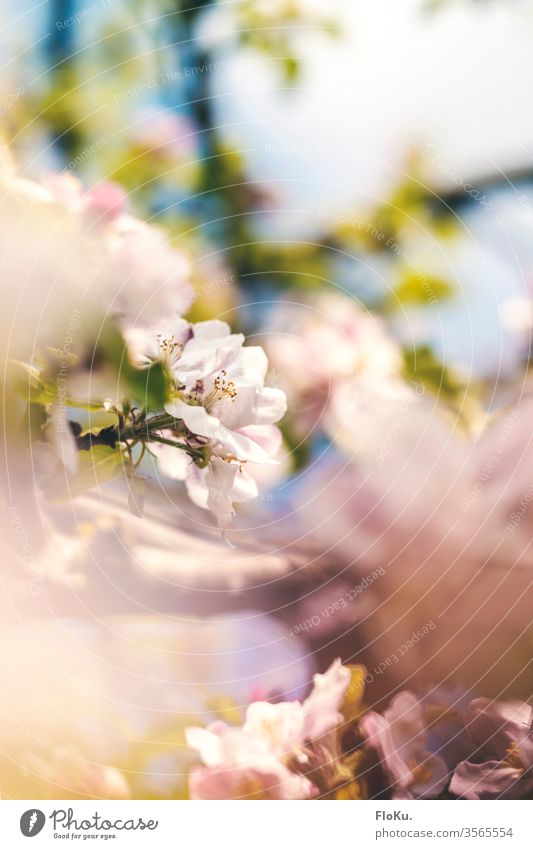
{"x":95,"y":467}
{"x":420,"y":289}
{"x":62,"y":356}
{"x":95,"y":424}
{"x":148,"y":386}
{"x":25,"y":382}
{"x":420,"y":364}
{"x":353,"y":696}
{"x":35,"y":419}
{"x":422,"y":367}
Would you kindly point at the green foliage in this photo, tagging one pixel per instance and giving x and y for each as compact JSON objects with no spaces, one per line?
{"x":418,"y":289}
{"x":226,"y":708}
{"x":422,"y":367}
{"x":26,"y":383}
{"x":37,"y":386}
{"x":95,"y":467}
{"x":149,"y":387}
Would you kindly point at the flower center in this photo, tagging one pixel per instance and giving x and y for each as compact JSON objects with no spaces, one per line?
{"x":169,"y":347}
{"x":512,"y":757}
{"x":222,"y":388}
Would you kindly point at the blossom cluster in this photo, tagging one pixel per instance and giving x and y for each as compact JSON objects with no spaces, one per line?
{"x":222,"y":411}
{"x":438,"y":744}
{"x":330,"y":353}
{"x":148,"y":381}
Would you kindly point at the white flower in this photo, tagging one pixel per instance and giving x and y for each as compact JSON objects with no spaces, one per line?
{"x":322,"y":344}
{"x":221,"y":391}
{"x":153,"y":274}
{"x":256,"y":759}
{"x":161,"y":341}
{"x":76,"y":250}
{"x":221,"y":398}
{"x":217,"y":487}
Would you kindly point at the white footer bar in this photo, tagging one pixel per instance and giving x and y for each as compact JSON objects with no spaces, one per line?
{"x":272,"y":825}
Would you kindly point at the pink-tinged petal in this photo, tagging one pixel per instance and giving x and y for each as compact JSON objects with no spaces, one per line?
{"x":487,"y":780}
{"x":241,"y":447}
{"x":196,"y":486}
{"x":321,"y":708}
{"x":404,"y":715}
{"x":237,"y":412}
{"x":105,"y":782}
{"x":219,"y":481}
{"x":525,"y":749}
{"x":249,"y":783}
{"x":436,"y":781}
{"x":377,"y":731}
{"x":200,"y":363}
{"x":495,"y":726}
{"x":143,"y":348}
{"x":211,"y":784}
{"x":244,"y":487}
{"x":267,"y":436}
{"x":146,"y":340}
{"x":399,"y":738}
{"x":105,"y":202}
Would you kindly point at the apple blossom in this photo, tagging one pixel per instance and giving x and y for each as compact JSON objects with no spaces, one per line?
{"x":399,"y":737}
{"x":501,"y":763}
{"x":268,"y":756}
{"x":325,"y":342}
{"x":220,"y":402}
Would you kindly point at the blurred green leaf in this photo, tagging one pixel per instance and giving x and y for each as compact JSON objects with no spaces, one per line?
{"x":418,"y":289}
{"x":422,"y":367}
{"x":95,"y":467}
{"x":148,"y":386}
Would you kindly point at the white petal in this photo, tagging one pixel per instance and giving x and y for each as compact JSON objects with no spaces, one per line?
{"x":201,"y":363}
{"x":207,"y":744}
{"x":237,"y":412}
{"x":173,"y":463}
{"x":242,"y":447}
{"x":196,"y":418}
{"x":267,"y":436}
{"x":321,"y":708}
{"x":213,"y":329}
{"x":244,"y":487}
{"x":219,"y":480}
{"x":197,"y":487}
{"x":250,"y":366}
{"x":270,"y":406}
{"x":281,"y":724}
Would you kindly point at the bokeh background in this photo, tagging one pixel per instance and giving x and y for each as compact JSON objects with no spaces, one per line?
{"x":352,"y":182}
